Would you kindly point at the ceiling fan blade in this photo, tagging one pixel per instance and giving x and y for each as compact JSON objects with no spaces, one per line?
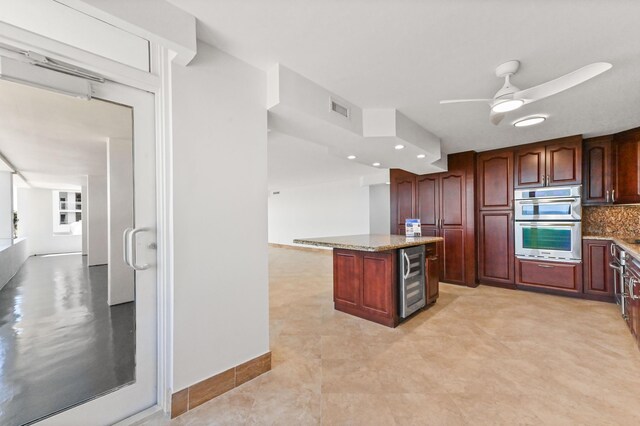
{"x":496,"y":117}
{"x":455,"y":101}
{"x":563,"y":83}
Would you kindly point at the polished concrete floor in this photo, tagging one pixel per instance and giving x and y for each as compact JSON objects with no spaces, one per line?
{"x":479,"y":356}
{"x":60,"y":343}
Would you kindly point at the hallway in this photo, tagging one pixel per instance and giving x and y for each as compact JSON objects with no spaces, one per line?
{"x":60,"y":343}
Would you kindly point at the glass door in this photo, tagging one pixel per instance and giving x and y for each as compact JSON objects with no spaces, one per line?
{"x":138,"y":250}
{"x":78,"y":336}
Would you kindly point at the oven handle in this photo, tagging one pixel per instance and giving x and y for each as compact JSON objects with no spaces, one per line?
{"x":547,"y":201}
{"x":545,"y":224}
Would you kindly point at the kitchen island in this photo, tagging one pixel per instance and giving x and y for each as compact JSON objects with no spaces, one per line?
{"x":366,"y":273}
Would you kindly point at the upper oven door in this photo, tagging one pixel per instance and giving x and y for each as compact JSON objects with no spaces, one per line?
{"x":548,"y":209}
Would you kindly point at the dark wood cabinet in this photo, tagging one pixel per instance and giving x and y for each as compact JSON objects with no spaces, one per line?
{"x":496,"y":248}
{"x":627,"y":167}
{"x":427,"y":197}
{"x":445,"y":204}
{"x":556,"y":162}
{"x":598,"y":276}
{"x":432,"y":274}
{"x":550,"y":277}
{"x":530,"y":166}
{"x":365,"y":285}
{"x":564,"y":161}
{"x":495,"y":216}
{"x":633,"y":319}
{"x":403,"y":190}
{"x":495,"y":180}
{"x":597,"y":165}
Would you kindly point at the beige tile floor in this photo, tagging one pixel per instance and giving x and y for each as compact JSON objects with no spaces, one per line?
{"x":479,"y":356}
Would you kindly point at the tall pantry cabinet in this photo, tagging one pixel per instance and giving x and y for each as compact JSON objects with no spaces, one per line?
{"x":495,"y":217}
{"x":444,"y":203}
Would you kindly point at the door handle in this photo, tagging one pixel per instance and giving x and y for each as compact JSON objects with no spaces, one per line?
{"x":406,"y":258}
{"x":546,"y":266}
{"x":125,"y":245}
{"x":632,"y":287}
{"x":132,"y":252}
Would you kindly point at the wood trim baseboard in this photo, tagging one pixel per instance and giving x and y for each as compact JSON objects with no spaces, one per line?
{"x":201,"y":392}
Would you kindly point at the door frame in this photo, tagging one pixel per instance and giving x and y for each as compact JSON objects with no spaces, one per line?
{"x":157,"y":82}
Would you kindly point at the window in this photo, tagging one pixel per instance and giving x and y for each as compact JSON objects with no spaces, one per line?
{"x":67,"y":213}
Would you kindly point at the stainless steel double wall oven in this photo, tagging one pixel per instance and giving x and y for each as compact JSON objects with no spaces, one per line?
{"x":548,"y":223}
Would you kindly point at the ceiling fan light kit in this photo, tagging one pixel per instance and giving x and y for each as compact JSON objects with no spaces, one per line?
{"x":508,"y":105}
{"x":510,"y":98}
{"x":529,"y":121}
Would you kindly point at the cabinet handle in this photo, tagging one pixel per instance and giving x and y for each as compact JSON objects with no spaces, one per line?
{"x":543,"y":180}
{"x":548,"y":180}
{"x":546,"y":266}
{"x":612,"y":250}
{"x":607,"y":196}
{"x":613,"y":195}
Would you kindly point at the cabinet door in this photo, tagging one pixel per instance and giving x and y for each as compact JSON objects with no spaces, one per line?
{"x":564,"y":162}
{"x":627,"y":167}
{"x":597,"y":179}
{"x":377,"y":276}
{"x":495,"y":247}
{"x":432,"y":273}
{"x":427,"y":200}
{"x":598,"y":276}
{"x":530,"y":166}
{"x":452,"y":197}
{"x":495,"y":180}
{"x":453,"y":263}
{"x":403,"y":187}
{"x":347,"y":277}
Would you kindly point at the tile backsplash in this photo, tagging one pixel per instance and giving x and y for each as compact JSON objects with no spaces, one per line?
{"x":617,"y":221}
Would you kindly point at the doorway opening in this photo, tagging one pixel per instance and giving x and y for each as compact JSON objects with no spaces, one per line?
{"x":67,"y":295}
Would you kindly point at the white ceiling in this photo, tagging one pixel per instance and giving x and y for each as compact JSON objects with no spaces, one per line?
{"x":409,"y":54}
{"x":56,"y":140}
{"x":297,"y":162}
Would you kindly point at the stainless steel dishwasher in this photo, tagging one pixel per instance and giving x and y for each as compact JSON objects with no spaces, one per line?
{"x":411,"y":280}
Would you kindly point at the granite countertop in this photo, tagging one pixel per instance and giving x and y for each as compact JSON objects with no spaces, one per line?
{"x":368,"y":242}
{"x":628,"y":244}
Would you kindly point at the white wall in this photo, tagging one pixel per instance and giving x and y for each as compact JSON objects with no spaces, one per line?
{"x":11,"y":259}
{"x":120,"y":217}
{"x":35,"y":214}
{"x":221,"y":299}
{"x":337,"y":208}
{"x":97,"y":219}
{"x":6,"y":209}
{"x":379,"y":209}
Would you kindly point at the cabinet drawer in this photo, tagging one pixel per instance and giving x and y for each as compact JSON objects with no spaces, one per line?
{"x":562,"y":276}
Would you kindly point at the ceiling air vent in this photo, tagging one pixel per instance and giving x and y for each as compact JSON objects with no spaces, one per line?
{"x":340,"y":109}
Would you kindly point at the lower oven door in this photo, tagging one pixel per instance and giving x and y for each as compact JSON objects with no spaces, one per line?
{"x":549,"y":240}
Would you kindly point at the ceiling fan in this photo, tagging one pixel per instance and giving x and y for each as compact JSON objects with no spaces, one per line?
{"x":510,"y":98}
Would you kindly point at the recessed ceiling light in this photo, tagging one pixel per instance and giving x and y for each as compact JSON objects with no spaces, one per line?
{"x":351,"y":157}
{"x":376,"y":164}
{"x":399,"y":146}
{"x":421,"y":155}
{"x":529,"y":121}
{"x":508,"y":105}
